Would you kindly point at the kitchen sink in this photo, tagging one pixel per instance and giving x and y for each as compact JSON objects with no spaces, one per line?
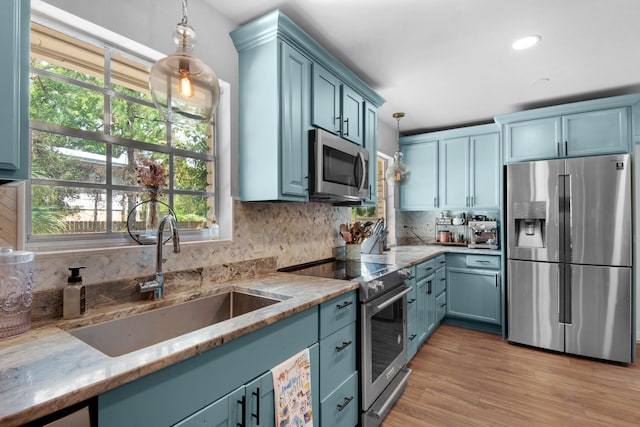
{"x":122,"y":336}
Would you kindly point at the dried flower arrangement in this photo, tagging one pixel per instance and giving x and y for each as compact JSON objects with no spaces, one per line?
{"x":151,"y":174}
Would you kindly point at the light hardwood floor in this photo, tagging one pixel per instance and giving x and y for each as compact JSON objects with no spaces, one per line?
{"x":467,"y":378}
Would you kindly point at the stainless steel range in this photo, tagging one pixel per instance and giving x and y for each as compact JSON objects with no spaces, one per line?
{"x":382,"y":341}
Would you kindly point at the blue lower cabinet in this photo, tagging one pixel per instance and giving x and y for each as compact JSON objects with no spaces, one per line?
{"x":337,"y":358}
{"x":474,"y":295}
{"x":441,"y":307}
{"x":259,"y":407}
{"x":222,"y":412}
{"x":430,"y":306}
{"x":341,"y":408}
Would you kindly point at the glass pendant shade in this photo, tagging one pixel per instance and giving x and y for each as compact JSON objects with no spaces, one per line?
{"x":182,"y":84}
{"x":398,"y":173}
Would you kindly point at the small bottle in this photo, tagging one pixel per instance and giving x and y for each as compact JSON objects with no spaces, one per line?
{"x":214,"y":230}
{"x":73,"y":304}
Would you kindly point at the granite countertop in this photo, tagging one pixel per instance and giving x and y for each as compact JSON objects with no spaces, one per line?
{"x":47,"y":369}
{"x":411,"y":255}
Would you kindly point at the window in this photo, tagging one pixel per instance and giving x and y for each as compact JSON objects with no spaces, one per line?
{"x":94,"y":134}
{"x":373,"y":213}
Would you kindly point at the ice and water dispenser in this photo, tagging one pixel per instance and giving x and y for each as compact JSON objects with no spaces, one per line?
{"x":530,"y":219}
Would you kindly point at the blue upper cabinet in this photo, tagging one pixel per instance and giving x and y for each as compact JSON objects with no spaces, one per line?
{"x":14,"y":90}
{"x":371,"y":144}
{"x":453,"y":169}
{"x":326,"y":100}
{"x":421,"y":192}
{"x":454,"y":173}
{"x":601,"y":126}
{"x":290,"y":84}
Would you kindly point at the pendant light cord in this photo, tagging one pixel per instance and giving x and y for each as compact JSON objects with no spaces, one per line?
{"x":184,"y":13}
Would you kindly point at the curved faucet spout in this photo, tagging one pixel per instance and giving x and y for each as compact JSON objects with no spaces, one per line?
{"x":157,"y":285}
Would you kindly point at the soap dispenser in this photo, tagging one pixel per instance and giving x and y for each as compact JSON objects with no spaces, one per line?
{"x":73,"y":304}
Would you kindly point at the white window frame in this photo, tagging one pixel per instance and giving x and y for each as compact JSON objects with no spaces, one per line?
{"x":63,"y":21}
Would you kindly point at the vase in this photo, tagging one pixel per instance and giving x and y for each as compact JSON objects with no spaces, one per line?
{"x":352,"y":251}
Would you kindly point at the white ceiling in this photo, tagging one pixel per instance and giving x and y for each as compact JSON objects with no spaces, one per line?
{"x":448,"y":63}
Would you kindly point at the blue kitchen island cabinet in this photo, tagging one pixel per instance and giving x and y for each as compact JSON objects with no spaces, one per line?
{"x":232,"y":382}
{"x":14,"y":90}
{"x":585,"y":128}
{"x":288,"y":85}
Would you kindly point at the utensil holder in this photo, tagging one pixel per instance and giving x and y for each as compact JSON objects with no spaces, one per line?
{"x":353,"y":251}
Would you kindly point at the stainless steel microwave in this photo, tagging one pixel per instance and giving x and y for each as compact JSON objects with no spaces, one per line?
{"x":338,"y":169}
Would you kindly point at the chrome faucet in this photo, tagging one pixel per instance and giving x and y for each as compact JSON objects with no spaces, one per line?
{"x":157,"y":285}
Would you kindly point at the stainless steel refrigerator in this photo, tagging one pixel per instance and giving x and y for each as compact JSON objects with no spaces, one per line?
{"x":569,"y":268}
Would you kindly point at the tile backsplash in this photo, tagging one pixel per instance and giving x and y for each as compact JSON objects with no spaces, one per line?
{"x":291,"y":233}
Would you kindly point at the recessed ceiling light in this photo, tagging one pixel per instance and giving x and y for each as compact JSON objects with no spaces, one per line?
{"x":526,"y":42}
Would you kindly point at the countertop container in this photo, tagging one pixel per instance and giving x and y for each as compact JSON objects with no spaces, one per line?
{"x":16,"y":284}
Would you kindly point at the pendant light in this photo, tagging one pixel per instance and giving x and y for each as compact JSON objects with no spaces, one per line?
{"x":398,"y":173}
{"x":181,"y":83}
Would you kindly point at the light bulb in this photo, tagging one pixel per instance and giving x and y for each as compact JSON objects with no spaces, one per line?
{"x":185,"y":85}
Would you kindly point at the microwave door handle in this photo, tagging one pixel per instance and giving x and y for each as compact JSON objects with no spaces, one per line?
{"x":363,"y":163}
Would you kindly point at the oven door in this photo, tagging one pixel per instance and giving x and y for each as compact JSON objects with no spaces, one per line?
{"x":384,"y":342}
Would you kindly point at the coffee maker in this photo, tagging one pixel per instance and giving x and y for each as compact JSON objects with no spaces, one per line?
{"x":484,"y":234}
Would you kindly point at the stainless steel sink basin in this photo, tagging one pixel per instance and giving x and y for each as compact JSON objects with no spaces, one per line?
{"x":122,"y":336}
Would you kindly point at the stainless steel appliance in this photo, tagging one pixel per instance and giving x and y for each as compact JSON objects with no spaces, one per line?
{"x":569,"y":256}
{"x":382,"y":341}
{"x":484,"y":234}
{"x":338,"y":169}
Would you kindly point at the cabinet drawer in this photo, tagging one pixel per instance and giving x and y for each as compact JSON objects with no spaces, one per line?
{"x":483,"y":261}
{"x":337,"y":313}
{"x":412,"y":305}
{"x":341,"y":408}
{"x":440,"y":261}
{"x":424,"y":269}
{"x":441,"y":306}
{"x":412,"y":339}
{"x":337,"y":358}
{"x":441,"y":280}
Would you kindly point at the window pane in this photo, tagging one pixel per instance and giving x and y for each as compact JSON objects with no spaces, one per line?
{"x":67,"y":210}
{"x":193,"y":136}
{"x":63,"y":157}
{"x":191,"y":174}
{"x":130,"y":77}
{"x":124,"y":202}
{"x":66,"y":104}
{"x":139,"y":122}
{"x":129,"y":164}
{"x":192,"y":212}
{"x":61,"y":54}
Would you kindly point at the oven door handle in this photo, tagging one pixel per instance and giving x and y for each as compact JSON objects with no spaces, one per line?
{"x":388,"y":302}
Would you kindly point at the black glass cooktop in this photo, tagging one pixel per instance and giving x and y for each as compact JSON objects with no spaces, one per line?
{"x":338,"y":269}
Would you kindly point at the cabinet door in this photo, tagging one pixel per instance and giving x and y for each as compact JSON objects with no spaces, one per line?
{"x":296,"y":69}
{"x":430,"y":304}
{"x":441,"y":307}
{"x":224,"y":412}
{"x":259,"y":409}
{"x":352,"y":115}
{"x":326,"y":99}
{"x":484,"y":152}
{"x":421,"y":295}
{"x":454,"y":173}
{"x":421,"y":192}
{"x":371,"y":144}
{"x":596,"y":132}
{"x":441,"y":280}
{"x":474,"y":295}
{"x":14,"y":89}
{"x":532,"y":140}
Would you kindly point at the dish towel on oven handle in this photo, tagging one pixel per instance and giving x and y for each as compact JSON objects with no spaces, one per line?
{"x":292,"y":391}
